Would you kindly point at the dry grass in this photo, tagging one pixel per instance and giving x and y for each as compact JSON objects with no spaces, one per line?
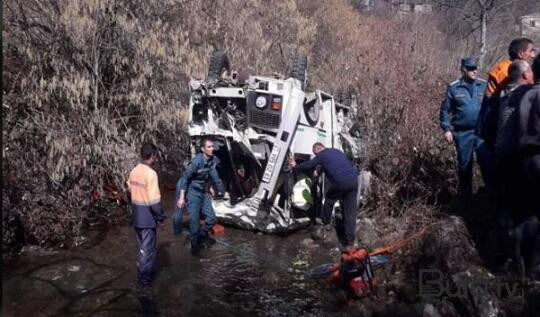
{"x":86,"y":82}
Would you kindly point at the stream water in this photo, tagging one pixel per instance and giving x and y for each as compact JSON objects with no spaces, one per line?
{"x":243,"y":274}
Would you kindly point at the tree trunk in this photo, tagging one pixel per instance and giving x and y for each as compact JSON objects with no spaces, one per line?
{"x":96,"y":88}
{"x":483,"y":38}
{"x":96,"y":73}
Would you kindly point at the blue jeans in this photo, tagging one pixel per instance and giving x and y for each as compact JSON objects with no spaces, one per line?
{"x":197,"y":203}
{"x":146,"y":259}
{"x":466,"y":141}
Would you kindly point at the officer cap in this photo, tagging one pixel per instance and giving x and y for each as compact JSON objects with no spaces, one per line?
{"x":468,"y":62}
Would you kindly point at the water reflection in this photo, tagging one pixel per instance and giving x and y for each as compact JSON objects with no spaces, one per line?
{"x":243,"y":274}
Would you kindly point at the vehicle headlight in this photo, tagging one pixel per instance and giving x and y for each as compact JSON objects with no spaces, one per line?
{"x":260,"y":102}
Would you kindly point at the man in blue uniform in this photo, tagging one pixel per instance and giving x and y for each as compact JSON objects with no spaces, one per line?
{"x":196,"y":181}
{"x":458,"y":116}
{"x":344,"y":186}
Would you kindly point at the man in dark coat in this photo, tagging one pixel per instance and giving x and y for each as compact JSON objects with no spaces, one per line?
{"x":529,"y":146}
{"x":508,"y":165}
{"x":344,"y":179}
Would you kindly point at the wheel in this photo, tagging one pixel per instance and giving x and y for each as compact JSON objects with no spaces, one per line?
{"x":348,"y":95}
{"x":219,"y":63}
{"x":343,"y":95}
{"x":338,"y":95}
{"x":299,"y":68}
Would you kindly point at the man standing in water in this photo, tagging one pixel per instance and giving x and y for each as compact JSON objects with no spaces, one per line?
{"x":147,"y":211}
{"x":196,"y":181}
{"x":344,"y":179}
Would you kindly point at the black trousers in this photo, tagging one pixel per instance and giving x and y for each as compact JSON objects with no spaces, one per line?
{"x":531,"y":165}
{"x":532,"y":172}
{"x":509,"y":186}
{"x":146,"y":259}
{"x":346,"y":191}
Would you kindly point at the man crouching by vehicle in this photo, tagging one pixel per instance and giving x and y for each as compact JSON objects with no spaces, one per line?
{"x":196,"y":181}
{"x":147,"y":211}
{"x":344,"y":186}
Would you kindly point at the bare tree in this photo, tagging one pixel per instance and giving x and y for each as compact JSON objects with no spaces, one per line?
{"x":490,"y":24}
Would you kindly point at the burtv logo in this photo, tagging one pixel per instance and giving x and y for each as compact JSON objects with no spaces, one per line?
{"x":433,"y":283}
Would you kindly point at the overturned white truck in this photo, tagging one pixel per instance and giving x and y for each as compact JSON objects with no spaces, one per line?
{"x":257,"y":123}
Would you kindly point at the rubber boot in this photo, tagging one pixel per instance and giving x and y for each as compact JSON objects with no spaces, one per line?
{"x":196,"y":245}
{"x":207,"y":240}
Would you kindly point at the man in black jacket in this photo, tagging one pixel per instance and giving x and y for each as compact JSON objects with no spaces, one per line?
{"x":529,"y":145}
{"x":529,"y":129}
{"x":508,"y":164}
{"x":343,"y":176}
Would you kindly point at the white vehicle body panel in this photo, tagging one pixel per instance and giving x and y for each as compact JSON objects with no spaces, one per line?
{"x":263,"y":143}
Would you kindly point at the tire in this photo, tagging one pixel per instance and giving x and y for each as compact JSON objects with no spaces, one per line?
{"x":343,"y":95}
{"x":338,"y":95}
{"x":299,"y":69}
{"x":219,"y":62}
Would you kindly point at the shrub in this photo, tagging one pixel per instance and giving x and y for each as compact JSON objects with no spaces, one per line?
{"x":86,"y":82}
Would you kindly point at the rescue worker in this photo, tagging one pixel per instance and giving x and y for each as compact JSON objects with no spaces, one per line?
{"x":519,"y":79}
{"x":147,"y":211}
{"x":508,"y":166}
{"x":344,"y":186}
{"x":519,"y":49}
{"x":458,"y":117}
{"x":529,"y":145}
{"x":196,"y":181}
